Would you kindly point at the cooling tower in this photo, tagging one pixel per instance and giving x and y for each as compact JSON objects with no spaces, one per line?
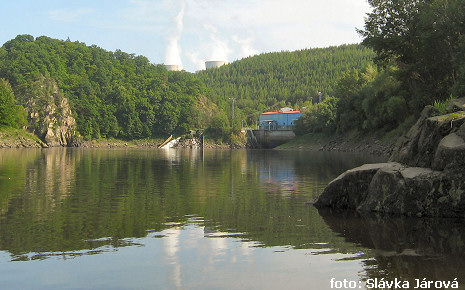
{"x":214,"y":63}
{"x":174,"y":67}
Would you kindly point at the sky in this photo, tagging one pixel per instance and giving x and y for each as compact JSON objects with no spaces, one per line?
{"x":188,"y":32}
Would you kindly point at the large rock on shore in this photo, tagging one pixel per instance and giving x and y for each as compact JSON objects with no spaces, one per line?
{"x":49,"y":113}
{"x":450,"y":152}
{"x":350,"y":189}
{"x":396,"y":189}
{"x":425,"y":175}
{"x":419,"y":146}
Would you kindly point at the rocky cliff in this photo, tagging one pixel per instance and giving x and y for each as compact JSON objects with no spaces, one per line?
{"x":49,"y":113}
{"x":425,"y":175}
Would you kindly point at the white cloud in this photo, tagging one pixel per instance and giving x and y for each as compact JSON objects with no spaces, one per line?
{"x":242,"y":28}
{"x":190,"y":32}
{"x":197,"y":62}
{"x":219,"y":48}
{"x":246,"y":45}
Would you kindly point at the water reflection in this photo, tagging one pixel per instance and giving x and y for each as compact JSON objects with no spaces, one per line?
{"x":190,"y":212}
{"x":69,"y":200}
{"x":171,"y":249}
{"x":294,"y":172}
{"x":404,"y":248}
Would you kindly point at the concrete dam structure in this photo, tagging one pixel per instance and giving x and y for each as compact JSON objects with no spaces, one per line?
{"x":275,"y":128}
{"x":267,"y":139}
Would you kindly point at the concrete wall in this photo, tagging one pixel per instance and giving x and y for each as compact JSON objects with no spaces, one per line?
{"x":271,"y":139}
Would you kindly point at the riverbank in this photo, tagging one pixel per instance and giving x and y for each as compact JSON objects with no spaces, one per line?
{"x":351,"y":142}
{"x":18,"y":138}
{"x":376,"y":144}
{"x":150,"y":143}
{"x":115,"y":143}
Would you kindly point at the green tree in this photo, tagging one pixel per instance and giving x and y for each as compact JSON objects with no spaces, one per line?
{"x":425,"y":39}
{"x":320,"y":117}
{"x":11,"y":115}
{"x":349,"y":91}
{"x":219,"y":127}
{"x":383,"y":104}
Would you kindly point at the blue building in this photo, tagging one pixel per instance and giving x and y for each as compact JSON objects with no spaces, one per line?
{"x":283,"y":119}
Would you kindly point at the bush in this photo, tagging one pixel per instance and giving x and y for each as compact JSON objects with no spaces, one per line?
{"x":219,"y":127}
{"x":320,"y":117}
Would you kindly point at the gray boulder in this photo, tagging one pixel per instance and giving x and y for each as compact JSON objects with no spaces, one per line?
{"x":418,"y":147}
{"x":425,"y":175}
{"x":456,"y":105}
{"x":450,"y":153}
{"x":392,"y":188}
{"x":349,"y":189}
{"x":406,"y":191}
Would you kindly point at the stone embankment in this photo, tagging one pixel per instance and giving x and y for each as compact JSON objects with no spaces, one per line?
{"x":351,"y":142}
{"x":368,"y":145}
{"x":425,"y":175}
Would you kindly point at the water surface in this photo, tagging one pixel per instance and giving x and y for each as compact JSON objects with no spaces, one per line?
{"x":187,"y":219}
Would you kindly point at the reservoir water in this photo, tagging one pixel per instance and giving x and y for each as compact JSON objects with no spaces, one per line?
{"x":218,"y":219}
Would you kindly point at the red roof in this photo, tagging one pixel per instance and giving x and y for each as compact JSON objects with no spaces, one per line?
{"x":278,"y":112}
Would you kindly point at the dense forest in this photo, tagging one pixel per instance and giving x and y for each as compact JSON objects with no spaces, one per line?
{"x":11,"y":114}
{"x":112,"y":94}
{"x":272,"y":80}
{"x":120,"y":95}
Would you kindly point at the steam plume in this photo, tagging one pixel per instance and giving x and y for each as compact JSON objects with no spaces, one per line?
{"x":173,"y":50}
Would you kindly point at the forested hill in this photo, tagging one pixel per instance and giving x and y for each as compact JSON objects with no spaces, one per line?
{"x":270,"y":80}
{"x":121,"y":95}
{"x":111,"y":94}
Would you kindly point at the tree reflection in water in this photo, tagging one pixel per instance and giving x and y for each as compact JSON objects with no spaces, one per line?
{"x":69,"y":203}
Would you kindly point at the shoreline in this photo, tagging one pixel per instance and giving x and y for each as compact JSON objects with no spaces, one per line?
{"x":375,"y":145}
{"x":349,"y":142}
{"x":18,"y":138}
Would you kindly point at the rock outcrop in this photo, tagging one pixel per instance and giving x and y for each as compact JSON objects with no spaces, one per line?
{"x":49,"y":114}
{"x":425,"y":175}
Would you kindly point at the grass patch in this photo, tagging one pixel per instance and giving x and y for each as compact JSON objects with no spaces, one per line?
{"x":11,"y":137}
{"x":442,"y":105}
{"x":8,"y":132}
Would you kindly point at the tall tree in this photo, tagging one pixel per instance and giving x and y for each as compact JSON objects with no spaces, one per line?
{"x":425,"y":38}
